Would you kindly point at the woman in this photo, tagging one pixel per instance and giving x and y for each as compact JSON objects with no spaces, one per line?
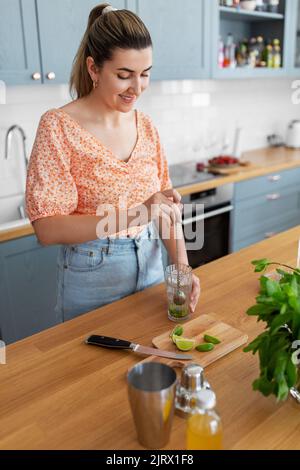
{"x":98,"y":152}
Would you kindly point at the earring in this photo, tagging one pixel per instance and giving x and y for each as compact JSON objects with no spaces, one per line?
{"x":95,"y":84}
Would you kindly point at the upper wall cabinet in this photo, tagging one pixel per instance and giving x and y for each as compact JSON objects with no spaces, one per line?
{"x":180,"y":34}
{"x":61,"y":27}
{"x":19,"y":50}
{"x":294,"y":56}
{"x":39,"y":38}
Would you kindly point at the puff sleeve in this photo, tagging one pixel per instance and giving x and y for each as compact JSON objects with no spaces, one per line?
{"x":50,"y":187}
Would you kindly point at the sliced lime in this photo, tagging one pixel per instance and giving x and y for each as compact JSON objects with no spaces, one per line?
{"x":205,"y":347}
{"x":184,"y":344}
{"x":211,"y":339}
{"x":175,"y":337}
{"x":178,"y":330}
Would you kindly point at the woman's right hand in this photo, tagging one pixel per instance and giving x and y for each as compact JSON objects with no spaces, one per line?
{"x":164,"y":205}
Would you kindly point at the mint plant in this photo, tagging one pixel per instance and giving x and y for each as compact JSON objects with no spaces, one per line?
{"x":278,"y":305}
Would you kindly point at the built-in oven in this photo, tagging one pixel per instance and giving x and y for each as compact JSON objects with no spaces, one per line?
{"x":209,"y":212}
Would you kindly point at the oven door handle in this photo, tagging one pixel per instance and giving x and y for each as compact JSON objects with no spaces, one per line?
{"x":207,"y":215}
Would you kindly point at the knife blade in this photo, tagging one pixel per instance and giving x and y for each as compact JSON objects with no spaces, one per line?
{"x":114,"y":343}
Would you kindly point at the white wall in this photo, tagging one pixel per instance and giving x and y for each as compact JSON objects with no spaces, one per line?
{"x":190,"y":116}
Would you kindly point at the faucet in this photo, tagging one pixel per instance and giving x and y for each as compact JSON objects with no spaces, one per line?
{"x":8,"y":138}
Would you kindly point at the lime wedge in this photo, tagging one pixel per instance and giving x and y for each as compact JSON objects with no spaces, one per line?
{"x":203,"y":347}
{"x":184,"y":344}
{"x":211,"y":339}
{"x":178,"y":330}
{"x":175,"y":337}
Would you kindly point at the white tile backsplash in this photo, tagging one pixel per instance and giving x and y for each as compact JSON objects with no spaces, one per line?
{"x":194,"y":118}
{"x":2,"y":92}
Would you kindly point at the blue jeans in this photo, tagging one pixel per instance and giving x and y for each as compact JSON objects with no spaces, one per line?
{"x":102,"y":271}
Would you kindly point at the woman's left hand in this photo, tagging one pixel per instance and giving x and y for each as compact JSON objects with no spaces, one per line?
{"x":195,"y":293}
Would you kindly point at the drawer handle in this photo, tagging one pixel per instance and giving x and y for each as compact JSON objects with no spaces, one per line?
{"x":273,"y":197}
{"x":270,"y":234}
{"x":274,"y":178}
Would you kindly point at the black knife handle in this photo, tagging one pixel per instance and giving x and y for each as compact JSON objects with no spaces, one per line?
{"x":107,"y":342}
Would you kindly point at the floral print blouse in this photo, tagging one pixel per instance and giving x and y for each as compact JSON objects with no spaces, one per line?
{"x":71,"y":172}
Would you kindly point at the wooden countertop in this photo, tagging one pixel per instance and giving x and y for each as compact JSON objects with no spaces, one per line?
{"x":264,"y":161}
{"x":58,"y":393}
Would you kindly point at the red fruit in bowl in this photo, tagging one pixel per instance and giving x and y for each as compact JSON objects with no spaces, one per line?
{"x":224,"y":160}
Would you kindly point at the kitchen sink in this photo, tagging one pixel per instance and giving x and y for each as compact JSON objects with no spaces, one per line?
{"x":12,"y":212}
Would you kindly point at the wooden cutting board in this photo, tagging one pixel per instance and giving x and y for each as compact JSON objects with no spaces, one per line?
{"x":231,"y":171}
{"x":231,"y":338}
{"x":245,"y":166}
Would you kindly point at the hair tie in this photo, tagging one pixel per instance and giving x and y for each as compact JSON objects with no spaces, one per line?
{"x":108,"y":9}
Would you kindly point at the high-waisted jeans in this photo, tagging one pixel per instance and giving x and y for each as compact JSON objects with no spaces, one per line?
{"x":102,"y":271}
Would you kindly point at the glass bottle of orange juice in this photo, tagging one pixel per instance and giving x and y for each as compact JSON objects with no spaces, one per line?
{"x":204,"y":426}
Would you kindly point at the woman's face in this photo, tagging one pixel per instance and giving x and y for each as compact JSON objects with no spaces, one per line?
{"x":122,"y":79}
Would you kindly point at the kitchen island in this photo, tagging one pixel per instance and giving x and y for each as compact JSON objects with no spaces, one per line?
{"x":58,"y":393}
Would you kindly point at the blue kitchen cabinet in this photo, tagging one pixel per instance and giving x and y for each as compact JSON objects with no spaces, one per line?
{"x":294,"y":40}
{"x":181,"y":37}
{"x":61,"y":27}
{"x":19,"y":50}
{"x":244,"y":24}
{"x":27,"y":288}
{"x":265,"y":206}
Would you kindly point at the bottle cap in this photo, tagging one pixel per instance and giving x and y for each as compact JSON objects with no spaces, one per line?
{"x":206,"y":400}
{"x":192,"y":382}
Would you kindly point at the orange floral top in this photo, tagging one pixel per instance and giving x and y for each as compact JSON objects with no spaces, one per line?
{"x":71,"y":172}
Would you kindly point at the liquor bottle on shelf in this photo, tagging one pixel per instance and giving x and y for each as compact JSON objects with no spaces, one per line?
{"x":221,"y":53}
{"x":242,"y":53}
{"x":260,"y":48}
{"x":229,"y":52}
{"x":276,"y":54}
{"x":267,"y":56}
{"x":253,"y":52}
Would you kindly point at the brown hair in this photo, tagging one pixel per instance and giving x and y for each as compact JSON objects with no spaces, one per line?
{"x":105,"y":32}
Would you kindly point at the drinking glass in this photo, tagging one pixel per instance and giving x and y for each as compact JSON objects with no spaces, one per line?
{"x":178,"y":287}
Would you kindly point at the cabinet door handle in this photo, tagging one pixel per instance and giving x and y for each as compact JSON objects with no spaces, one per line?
{"x":273,"y":197}
{"x":273,"y":178}
{"x":36,"y":76}
{"x":51,"y":76}
{"x":270,"y":234}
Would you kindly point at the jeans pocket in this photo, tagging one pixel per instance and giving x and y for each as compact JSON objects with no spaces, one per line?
{"x":84,"y":260}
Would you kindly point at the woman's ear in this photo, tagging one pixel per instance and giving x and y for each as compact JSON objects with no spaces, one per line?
{"x":92,"y":68}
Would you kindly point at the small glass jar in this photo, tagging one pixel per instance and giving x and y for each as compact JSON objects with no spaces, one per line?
{"x":261,"y":5}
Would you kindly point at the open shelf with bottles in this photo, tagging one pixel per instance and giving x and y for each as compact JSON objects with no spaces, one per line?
{"x":245,"y":27}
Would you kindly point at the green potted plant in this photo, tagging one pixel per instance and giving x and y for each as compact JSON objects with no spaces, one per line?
{"x":278,"y":347}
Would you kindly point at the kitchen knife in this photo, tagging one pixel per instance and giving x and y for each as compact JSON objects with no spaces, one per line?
{"x":107,"y":342}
